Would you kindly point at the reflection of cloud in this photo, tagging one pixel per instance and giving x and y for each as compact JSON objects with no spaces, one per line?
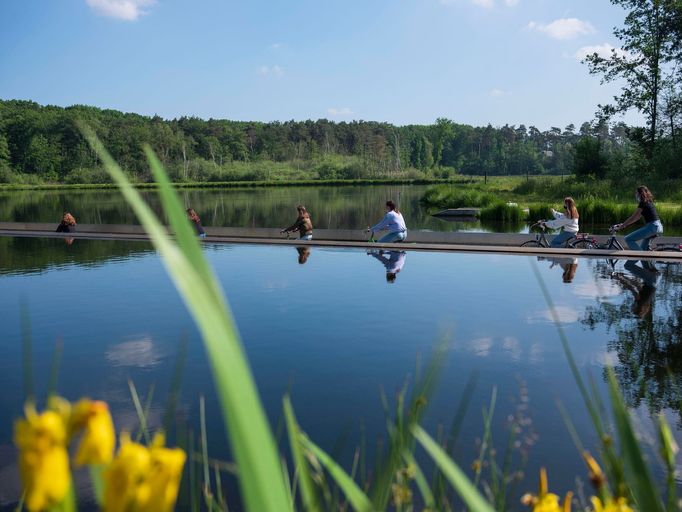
{"x":564,"y":314}
{"x":140,"y":353}
{"x":512,"y":345}
{"x":596,"y":290}
{"x":481,"y":346}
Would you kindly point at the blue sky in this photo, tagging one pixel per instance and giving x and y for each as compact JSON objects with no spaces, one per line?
{"x":401,"y":61}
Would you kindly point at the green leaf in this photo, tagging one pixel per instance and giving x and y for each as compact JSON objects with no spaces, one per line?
{"x":358,"y":499}
{"x":260,"y":474}
{"x":639,"y":477}
{"x":310,"y":501}
{"x":461,"y":483}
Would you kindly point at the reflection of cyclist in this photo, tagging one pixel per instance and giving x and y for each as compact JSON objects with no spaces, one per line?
{"x":303,"y":253}
{"x":395,"y":224}
{"x":568,"y":222}
{"x":652,"y":225}
{"x":643,"y":292}
{"x":392,"y":260}
{"x":568,"y":265}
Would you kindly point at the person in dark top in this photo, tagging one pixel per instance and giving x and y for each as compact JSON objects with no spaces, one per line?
{"x":68,"y":224}
{"x":197,"y":222}
{"x":644,"y":291}
{"x":303,"y":253}
{"x":303,"y":224}
{"x":652,"y":225}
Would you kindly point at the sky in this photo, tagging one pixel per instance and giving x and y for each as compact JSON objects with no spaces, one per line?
{"x":400,"y":61}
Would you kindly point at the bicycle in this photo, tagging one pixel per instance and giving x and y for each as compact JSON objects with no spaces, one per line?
{"x":541,"y":239}
{"x":613,"y":243}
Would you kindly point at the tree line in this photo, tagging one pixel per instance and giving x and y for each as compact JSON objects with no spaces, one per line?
{"x":43,"y":143}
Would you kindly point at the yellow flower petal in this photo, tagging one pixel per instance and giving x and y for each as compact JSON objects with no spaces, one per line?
{"x":43,"y":459}
{"x":99,"y":439}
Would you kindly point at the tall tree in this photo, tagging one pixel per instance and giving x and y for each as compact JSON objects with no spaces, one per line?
{"x":647,"y":46}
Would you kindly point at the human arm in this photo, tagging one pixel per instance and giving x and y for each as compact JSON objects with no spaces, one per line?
{"x":630,"y":220}
{"x":294,"y":227}
{"x":382,"y":224}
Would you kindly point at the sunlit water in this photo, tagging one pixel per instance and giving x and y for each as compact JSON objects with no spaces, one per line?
{"x":329,"y":327}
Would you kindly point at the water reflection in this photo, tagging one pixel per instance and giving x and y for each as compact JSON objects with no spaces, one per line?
{"x":393,"y":261}
{"x":303,"y":254}
{"x":645,"y":331}
{"x":568,"y":266}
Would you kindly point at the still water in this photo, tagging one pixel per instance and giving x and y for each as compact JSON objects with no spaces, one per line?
{"x":348,"y":207}
{"x":336,"y":328}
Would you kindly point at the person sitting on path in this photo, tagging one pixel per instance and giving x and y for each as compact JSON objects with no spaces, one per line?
{"x":393,"y":222}
{"x":303,"y":224}
{"x":568,"y":222}
{"x":652,"y":226}
{"x":68,"y":224}
{"x":197,"y":222}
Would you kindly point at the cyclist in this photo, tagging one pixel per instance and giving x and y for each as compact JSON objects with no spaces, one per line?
{"x":568,"y":222}
{"x":303,"y":224}
{"x":652,"y":225}
{"x":395,"y":224}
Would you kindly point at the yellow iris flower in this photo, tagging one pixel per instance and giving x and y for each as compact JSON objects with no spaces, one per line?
{"x":43,"y":458}
{"x":99,"y":439}
{"x":611,"y":505}
{"x":143,"y":478}
{"x":546,"y":501}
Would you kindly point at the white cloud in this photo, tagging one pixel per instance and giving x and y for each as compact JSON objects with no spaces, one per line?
{"x":603,"y":50}
{"x":486,"y":4}
{"x":481,"y":346}
{"x":275,"y":46}
{"x":511,"y":3}
{"x":564,"y":28}
{"x":128,"y":10}
{"x":345,"y":111}
{"x":498,"y":93}
{"x":271,"y":70}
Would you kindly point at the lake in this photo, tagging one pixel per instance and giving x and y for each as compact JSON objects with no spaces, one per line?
{"x":342,"y":207}
{"x":331,"y":328}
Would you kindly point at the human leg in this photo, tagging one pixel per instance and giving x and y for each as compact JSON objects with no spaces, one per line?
{"x":393,"y":237}
{"x":561,"y":238}
{"x":643,"y":233}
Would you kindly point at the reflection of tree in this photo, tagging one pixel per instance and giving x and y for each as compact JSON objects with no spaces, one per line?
{"x":647,"y":329}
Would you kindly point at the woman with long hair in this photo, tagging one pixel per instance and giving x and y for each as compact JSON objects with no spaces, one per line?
{"x":393,"y":222}
{"x":652,"y":226}
{"x":68,"y":223}
{"x":196,"y":220}
{"x":303,"y":224}
{"x":568,"y":222}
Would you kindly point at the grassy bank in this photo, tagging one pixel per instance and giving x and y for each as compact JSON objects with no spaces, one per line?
{"x":598,"y":203}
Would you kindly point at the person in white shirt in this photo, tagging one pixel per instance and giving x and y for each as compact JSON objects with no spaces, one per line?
{"x":393,"y":222}
{"x":394,"y":261}
{"x":568,"y":222}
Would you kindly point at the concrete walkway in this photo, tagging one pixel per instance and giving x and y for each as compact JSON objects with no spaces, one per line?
{"x":501,"y":243}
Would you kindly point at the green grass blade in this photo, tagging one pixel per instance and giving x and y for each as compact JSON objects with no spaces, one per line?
{"x":420,"y":479}
{"x":464,"y":487}
{"x":261,"y":480}
{"x":305,"y":480}
{"x":144,"y":431}
{"x":639,"y":477}
{"x":204,"y":451}
{"x":358,"y":499}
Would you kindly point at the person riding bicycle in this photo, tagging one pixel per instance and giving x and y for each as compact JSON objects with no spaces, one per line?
{"x":652,"y":226}
{"x":568,"y":222}
{"x":393,"y":222}
{"x":303,"y":224}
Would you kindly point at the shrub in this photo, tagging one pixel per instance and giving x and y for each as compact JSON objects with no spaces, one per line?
{"x":502,"y":212}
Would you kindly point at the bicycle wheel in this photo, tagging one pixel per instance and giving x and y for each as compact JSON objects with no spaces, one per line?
{"x":583,"y":244}
{"x":532,"y":243}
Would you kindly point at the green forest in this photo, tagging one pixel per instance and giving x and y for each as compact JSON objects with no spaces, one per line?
{"x":42,"y":144}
